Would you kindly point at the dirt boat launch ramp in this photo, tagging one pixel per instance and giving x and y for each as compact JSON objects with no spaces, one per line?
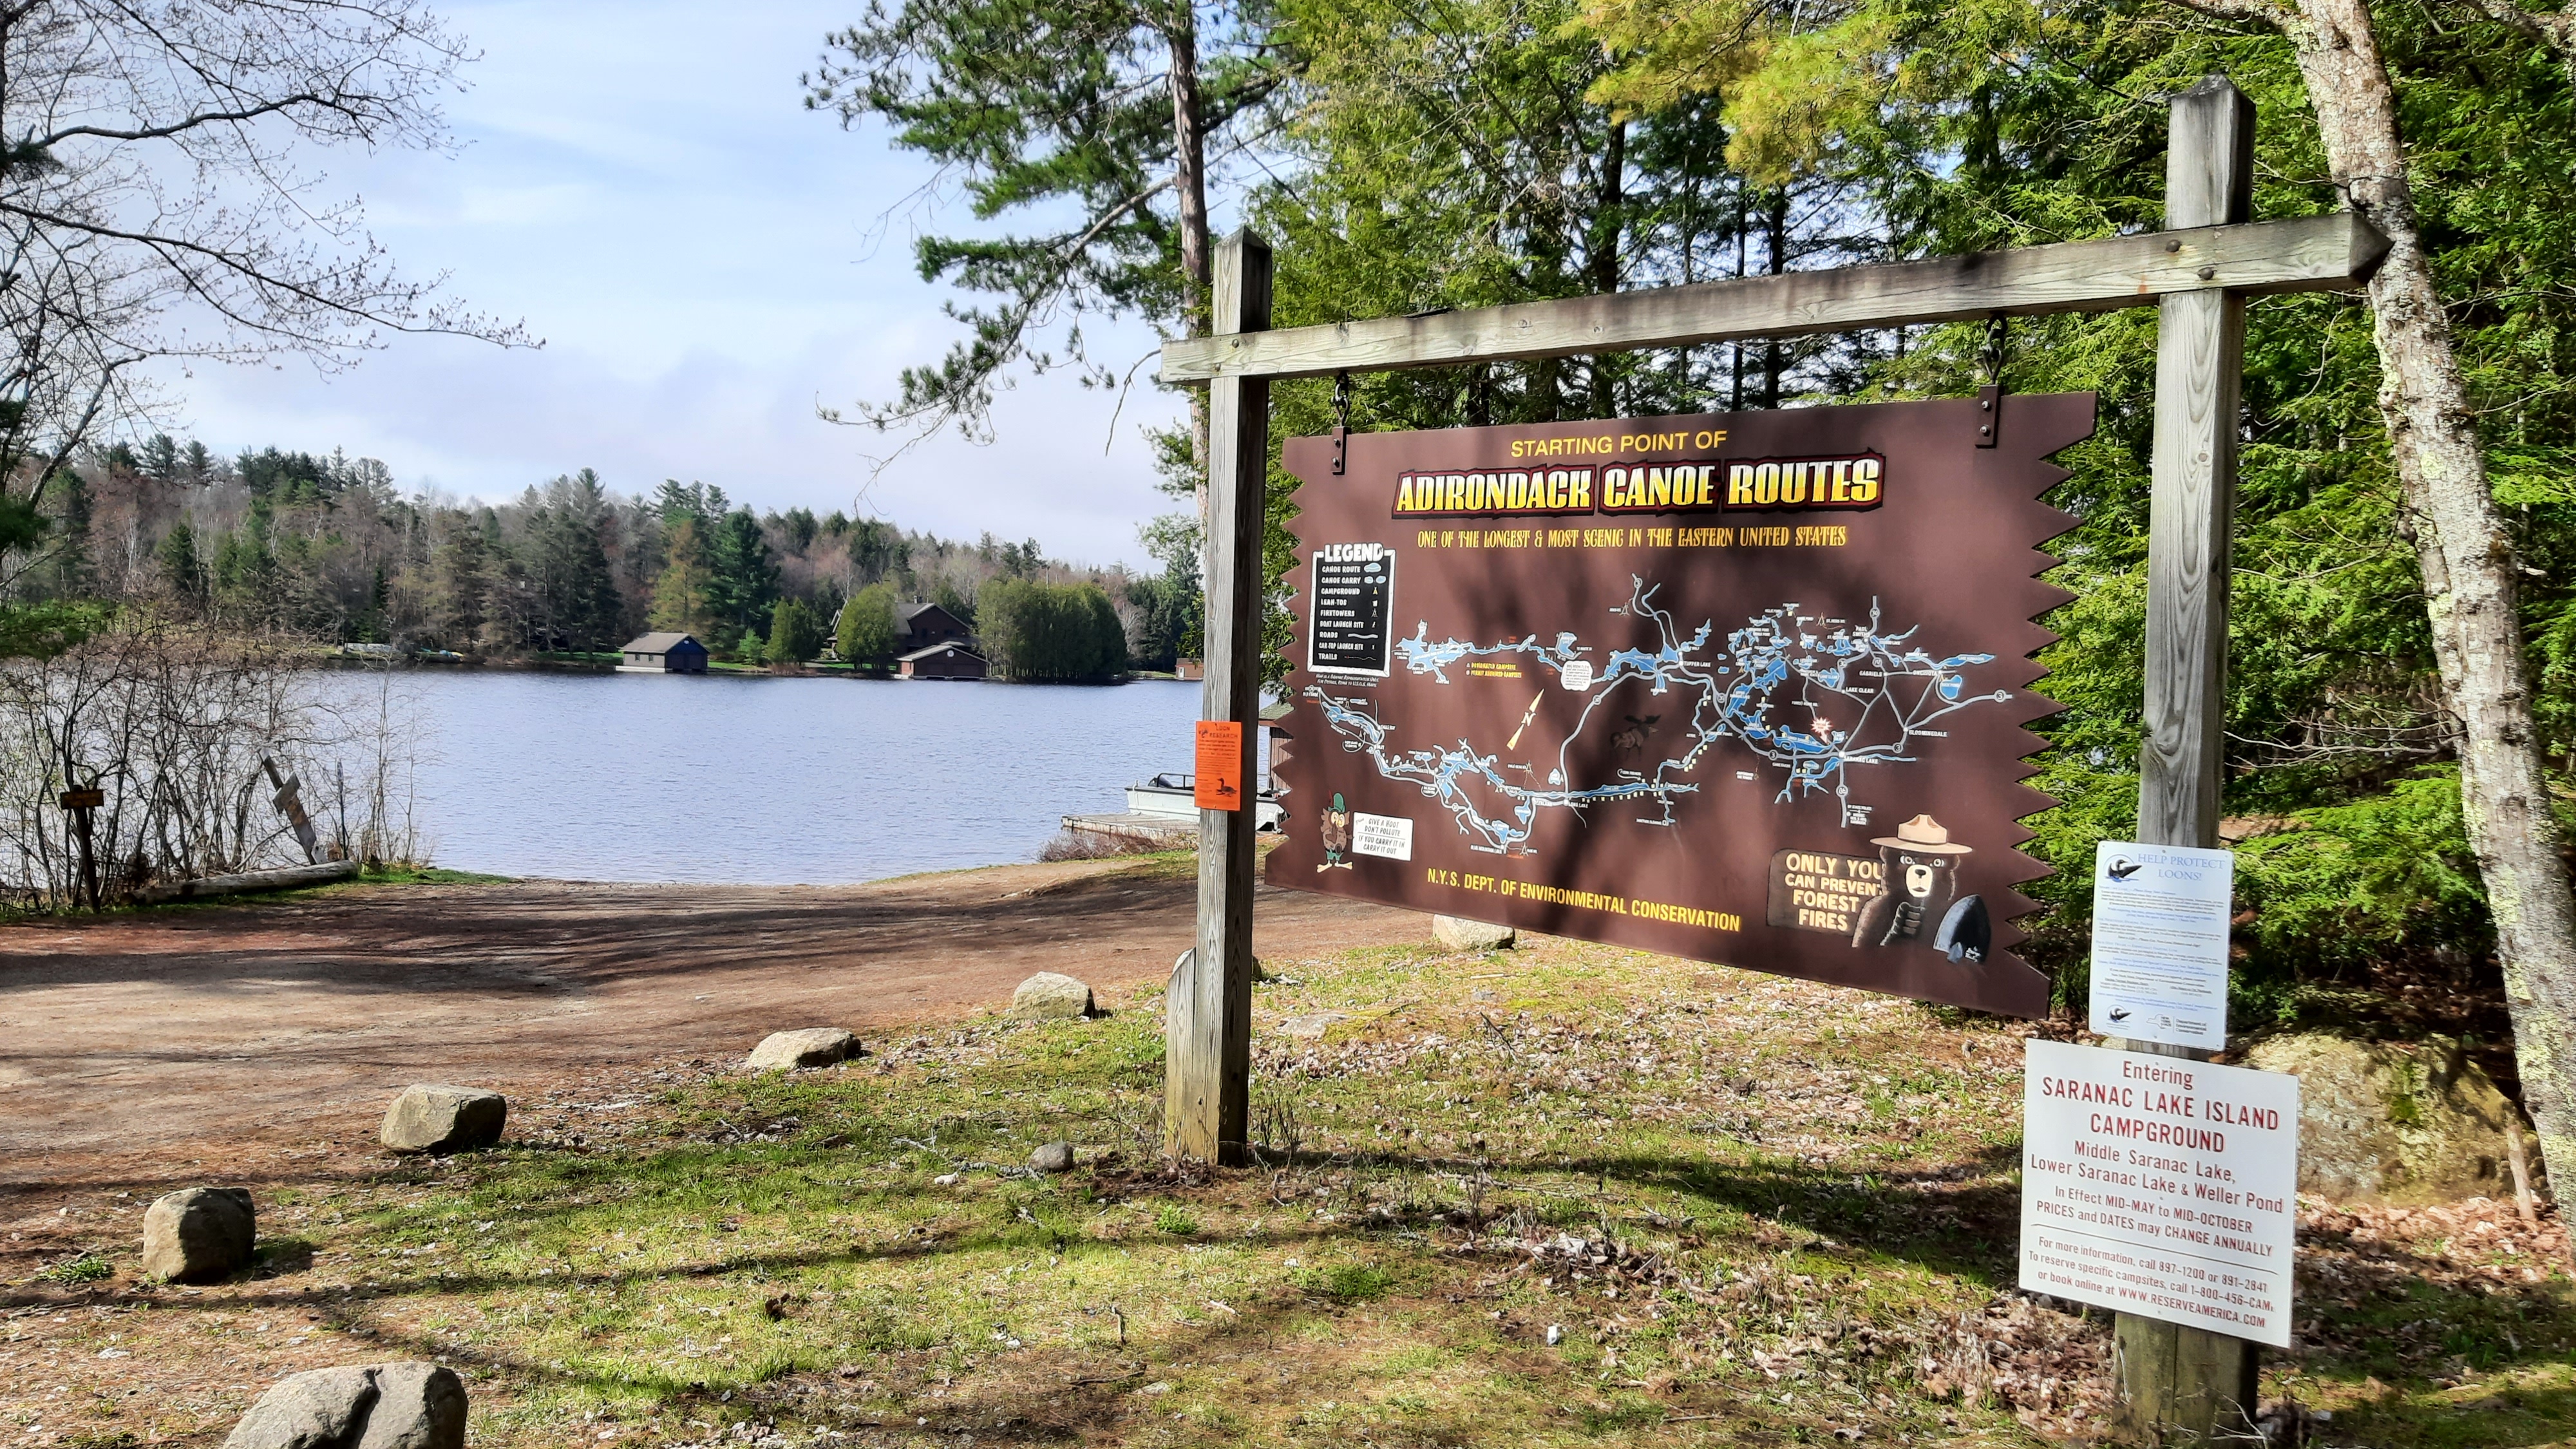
{"x":197,"y":1033}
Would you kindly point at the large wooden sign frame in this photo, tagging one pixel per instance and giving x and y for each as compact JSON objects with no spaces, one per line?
{"x":2197,"y":273}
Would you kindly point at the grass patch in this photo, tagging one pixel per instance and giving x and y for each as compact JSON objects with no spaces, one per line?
{"x":427,"y":875}
{"x":1349,"y":1283}
{"x":1752,"y":1212}
{"x":87,"y":1268}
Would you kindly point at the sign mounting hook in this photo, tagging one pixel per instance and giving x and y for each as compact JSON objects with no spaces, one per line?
{"x":1990,"y":397}
{"x":1341,"y":422}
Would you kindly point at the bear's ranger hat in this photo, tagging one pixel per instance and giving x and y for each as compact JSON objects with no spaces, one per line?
{"x":1924,"y":835}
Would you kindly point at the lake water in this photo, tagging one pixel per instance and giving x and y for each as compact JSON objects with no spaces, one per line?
{"x":770,"y":781}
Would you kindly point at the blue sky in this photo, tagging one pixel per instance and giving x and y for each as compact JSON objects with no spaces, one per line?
{"x":707,"y":261}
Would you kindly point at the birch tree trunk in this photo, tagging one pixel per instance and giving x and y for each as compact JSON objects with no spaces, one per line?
{"x":2469,"y":565}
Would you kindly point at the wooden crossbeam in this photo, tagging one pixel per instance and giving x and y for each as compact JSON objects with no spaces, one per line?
{"x":2302,"y":254}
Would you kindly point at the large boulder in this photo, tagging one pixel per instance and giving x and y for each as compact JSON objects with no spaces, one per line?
{"x":2398,"y":1123}
{"x":815,"y":1046}
{"x":1460,"y":934}
{"x":445,"y":1119}
{"x":198,"y":1234}
{"x":1048,"y":996}
{"x":377,"y":1406}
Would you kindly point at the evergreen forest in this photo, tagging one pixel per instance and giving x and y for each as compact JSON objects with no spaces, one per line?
{"x":328,"y":548}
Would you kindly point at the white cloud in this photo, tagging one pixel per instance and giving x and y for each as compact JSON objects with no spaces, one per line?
{"x":642,"y":184}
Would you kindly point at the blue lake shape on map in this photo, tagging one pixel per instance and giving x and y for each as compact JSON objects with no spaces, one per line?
{"x":1868,"y":697}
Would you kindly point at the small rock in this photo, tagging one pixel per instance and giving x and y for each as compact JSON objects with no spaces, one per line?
{"x":1460,"y":934}
{"x":815,"y":1046}
{"x":198,"y":1234}
{"x":947,"y":1179}
{"x":314,"y":1410}
{"x":378,"y":1406}
{"x":1310,"y":1026}
{"x":418,"y":1406}
{"x":1053,"y":1157}
{"x":1049,"y":996}
{"x":1555,"y":1334}
{"x":444,"y":1119}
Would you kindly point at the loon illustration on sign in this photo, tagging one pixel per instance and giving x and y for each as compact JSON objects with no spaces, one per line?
{"x":1747,"y":688}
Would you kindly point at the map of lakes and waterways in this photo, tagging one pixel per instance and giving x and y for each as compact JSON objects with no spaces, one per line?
{"x":1887,"y":692}
{"x":1748,"y":688}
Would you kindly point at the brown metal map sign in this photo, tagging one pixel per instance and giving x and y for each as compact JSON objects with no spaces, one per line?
{"x":1747,"y":688}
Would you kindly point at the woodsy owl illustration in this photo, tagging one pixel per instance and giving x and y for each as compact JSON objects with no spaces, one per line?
{"x":1336,"y":836}
{"x":1918,"y":897}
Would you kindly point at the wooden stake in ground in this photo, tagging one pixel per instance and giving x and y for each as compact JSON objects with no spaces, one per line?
{"x":290,"y":803}
{"x":80,"y":804}
{"x":2180,"y":1384}
{"x":1208,"y":1026}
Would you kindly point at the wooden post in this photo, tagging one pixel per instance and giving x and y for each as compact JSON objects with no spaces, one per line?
{"x":1207,"y":1075}
{"x":2188,"y":1385}
{"x":80,"y":804}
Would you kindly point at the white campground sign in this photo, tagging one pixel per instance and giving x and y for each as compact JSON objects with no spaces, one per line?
{"x":2160,"y":1186}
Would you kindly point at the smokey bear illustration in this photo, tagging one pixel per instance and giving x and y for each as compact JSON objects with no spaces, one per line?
{"x":1918,"y":896}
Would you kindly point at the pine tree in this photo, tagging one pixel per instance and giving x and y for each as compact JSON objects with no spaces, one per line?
{"x":579,"y":597}
{"x":182,"y":572}
{"x":795,"y":634}
{"x":71,"y":561}
{"x":742,"y":579}
{"x":160,"y":458}
{"x":246,"y":574}
{"x":456,"y":591}
{"x":682,"y":596}
{"x":876,"y":550}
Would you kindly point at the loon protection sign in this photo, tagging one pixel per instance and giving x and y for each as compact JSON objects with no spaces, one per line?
{"x":2161,"y":915}
{"x":1747,"y":688}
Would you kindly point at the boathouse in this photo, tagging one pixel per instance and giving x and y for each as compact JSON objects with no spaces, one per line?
{"x":663,"y":654}
{"x":924,"y":625}
{"x":943,"y":661}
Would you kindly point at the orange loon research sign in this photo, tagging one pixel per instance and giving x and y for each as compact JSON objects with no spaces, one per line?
{"x":1746,"y":688}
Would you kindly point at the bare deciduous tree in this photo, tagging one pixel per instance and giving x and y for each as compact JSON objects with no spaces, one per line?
{"x":157,"y":199}
{"x":175,"y":722}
